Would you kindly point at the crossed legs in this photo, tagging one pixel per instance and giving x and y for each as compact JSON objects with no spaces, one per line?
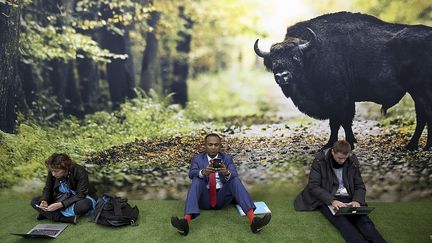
{"x":81,"y":207}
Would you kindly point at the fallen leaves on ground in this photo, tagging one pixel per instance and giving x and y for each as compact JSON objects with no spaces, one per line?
{"x":158,"y":168}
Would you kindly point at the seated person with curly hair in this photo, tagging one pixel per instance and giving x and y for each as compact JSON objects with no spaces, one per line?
{"x":66,"y":194}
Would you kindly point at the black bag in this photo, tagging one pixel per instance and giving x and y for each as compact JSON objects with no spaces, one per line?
{"x":114,"y":211}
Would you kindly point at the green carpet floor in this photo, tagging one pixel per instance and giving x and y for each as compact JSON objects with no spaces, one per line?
{"x":398,"y":222}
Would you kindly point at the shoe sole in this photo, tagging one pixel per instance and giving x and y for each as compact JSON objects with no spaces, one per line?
{"x":175,"y":222}
{"x":266,"y":220}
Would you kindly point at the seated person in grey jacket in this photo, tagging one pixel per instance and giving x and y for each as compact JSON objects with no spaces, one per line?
{"x":335,"y":180}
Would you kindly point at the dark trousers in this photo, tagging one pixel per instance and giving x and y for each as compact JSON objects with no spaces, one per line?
{"x":81,"y":207}
{"x":356,"y":228}
{"x":198,"y":196}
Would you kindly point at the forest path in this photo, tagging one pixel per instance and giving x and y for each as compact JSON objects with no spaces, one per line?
{"x":267,"y":153}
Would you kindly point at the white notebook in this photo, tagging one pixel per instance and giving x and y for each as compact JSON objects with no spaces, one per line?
{"x":261,"y":208}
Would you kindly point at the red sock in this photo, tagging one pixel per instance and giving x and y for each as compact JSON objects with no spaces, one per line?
{"x":187,"y":217}
{"x":250,"y":215}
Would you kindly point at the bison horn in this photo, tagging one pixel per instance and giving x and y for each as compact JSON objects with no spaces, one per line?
{"x":309,"y":43}
{"x":259,"y":52}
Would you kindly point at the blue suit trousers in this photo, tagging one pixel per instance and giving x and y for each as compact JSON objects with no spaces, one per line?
{"x":198,"y":196}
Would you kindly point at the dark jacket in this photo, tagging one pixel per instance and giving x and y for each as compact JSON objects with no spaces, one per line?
{"x":323,"y":183}
{"x":200,"y":162}
{"x":77,"y":179}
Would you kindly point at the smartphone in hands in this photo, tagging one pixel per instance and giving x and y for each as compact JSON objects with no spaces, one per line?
{"x":41,"y":207}
{"x":217,"y":164}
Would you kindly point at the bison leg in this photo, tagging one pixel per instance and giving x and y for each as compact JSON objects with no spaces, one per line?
{"x":428,"y":114}
{"x":413,"y":143}
{"x":334,"y":131}
{"x":421,"y":122}
{"x":347,"y":125}
{"x":428,"y":145}
{"x":349,"y":135}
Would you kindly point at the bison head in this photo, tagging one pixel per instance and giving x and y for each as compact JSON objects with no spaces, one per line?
{"x":286,"y":58}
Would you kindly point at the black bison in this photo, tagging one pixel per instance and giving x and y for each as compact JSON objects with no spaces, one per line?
{"x":328,"y":63}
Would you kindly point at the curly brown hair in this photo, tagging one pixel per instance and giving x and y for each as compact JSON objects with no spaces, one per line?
{"x":59,"y":161}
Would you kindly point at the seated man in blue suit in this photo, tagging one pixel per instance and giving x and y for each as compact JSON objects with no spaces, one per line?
{"x":215,"y":186}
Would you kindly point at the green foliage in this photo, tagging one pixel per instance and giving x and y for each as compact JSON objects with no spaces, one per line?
{"x":15,"y":3}
{"x":27,"y":149}
{"x":229,"y":93}
{"x":60,"y":35}
{"x":110,"y":13}
{"x":39,"y":43}
{"x":403,"y":114}
{"x":219,"y":29}
{"x":22,"y":155}
{"x":220,"y":32}
{"x":401,"y":11}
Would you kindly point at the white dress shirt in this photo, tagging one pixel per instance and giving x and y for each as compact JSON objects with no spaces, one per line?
{"x":219,"y":183}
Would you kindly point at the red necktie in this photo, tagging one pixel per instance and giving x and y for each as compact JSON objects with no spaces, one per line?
{"x":212,"y":186}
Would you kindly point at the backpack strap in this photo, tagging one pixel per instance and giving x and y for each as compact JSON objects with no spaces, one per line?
{"x":98,"y":210}
{"x":116,"y":206}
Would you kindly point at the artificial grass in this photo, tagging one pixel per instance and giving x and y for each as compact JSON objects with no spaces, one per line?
{"x":397,"y":222}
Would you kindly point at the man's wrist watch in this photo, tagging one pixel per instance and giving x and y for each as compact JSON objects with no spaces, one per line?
{"x":227,"y":174}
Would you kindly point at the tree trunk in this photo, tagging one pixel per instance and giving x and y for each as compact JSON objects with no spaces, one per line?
{"x":31,"y":74}
{"x":150,"y":66}
{"x":166,"y":71}
{"x":73,"y":104}
{"x":120,"y":74}
{"x":9,"y":39}
{"x":65,"y":87}
{"x":181,"y":64}
{"x":57,"y":77}
{"x":62,"y":75}
{"x":29,"y":85}
{"x":88,"y":72}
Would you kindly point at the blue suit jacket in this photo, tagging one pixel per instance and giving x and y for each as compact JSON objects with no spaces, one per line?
{"x":200,"y":162}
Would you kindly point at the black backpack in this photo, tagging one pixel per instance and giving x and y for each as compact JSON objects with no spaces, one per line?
{"x":114,"y":211}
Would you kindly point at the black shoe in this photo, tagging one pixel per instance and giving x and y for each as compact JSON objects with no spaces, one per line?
{"x":71,"y":220}
{"x":181,"y":225}
{"x":258,"y":223}
{"x":40,"y":217}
